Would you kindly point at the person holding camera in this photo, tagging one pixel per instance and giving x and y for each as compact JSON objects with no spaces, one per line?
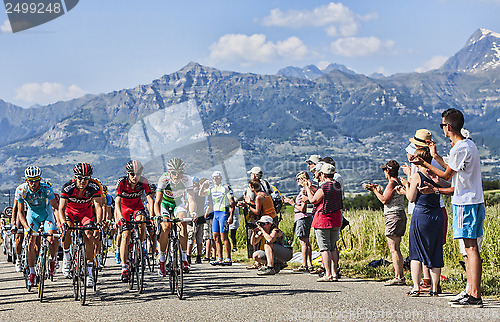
{"x":394,"y":215}
{"x":327,"y":218}
{"x":274,"y":253}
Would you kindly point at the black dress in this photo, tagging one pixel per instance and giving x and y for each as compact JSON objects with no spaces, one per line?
{"x":426,"y":229}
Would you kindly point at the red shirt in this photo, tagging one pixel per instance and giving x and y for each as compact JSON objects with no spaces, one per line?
{"x":82,"y":204}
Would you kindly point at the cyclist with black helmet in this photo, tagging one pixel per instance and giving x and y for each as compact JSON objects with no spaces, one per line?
{"x":128,"y":204}
{"x":174,"y":191}
{"x":77,"y":197}
{"x":38,"y":197}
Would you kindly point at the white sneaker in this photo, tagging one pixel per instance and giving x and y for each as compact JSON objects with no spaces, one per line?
{"x":66,"y":268}
{"x":18,"y":266}
{"x":90,"y":281}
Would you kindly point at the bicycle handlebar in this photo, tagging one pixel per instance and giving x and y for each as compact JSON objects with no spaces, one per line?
{"x":45,"y":234}
{"x":177,"y":220}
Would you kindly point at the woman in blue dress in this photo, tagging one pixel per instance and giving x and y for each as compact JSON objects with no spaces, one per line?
{"x":426,"y":227}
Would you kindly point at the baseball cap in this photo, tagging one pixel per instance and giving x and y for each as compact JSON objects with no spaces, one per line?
{"x":255,"y":170}
{"x":411,"y":148}
{"x":265,"y":219}
{"x":327,"y":168}
{"x":217,"y":174}
{"x":315,"y":158}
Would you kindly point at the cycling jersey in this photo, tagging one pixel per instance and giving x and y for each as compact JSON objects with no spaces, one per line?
{"x":174,"y":194}
{"x":219,"y":197}
{"x":80,"y":207}
{"x":39,"y":209}
{"x":109,"y":200}
{"x":131,"y":197}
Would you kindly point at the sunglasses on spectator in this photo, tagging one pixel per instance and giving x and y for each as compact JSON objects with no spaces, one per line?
{"x":82,"y":177}
{"x":442,"y":125}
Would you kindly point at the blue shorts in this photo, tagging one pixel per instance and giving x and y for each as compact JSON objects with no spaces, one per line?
{"x":35,"y":219}
{"x":468,"y":221}
{"x":220,"y":224}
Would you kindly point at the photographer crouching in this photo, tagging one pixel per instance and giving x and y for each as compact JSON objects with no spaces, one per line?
{"x":274,"y":253}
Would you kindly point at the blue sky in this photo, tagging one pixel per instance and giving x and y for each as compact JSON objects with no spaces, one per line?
{"x":101,"y":46}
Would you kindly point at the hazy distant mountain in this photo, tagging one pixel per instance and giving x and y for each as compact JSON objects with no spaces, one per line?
{"x":480,"y":53}
{"x":311,"y":72}
{"x":279,"y":120}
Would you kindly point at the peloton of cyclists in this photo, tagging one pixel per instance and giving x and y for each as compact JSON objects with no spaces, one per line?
{"x":128,"y":205}
{"x":39,"y":199}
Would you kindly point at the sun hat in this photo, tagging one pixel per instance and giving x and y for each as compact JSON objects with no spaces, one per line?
{"x":411,"y":148}
{"x":255,"y":170}
{"x":315,"y":158}
{"x":421,"y":136}
{"x":265,"y":219}
{"x":217,"y":174}
{"x":327,"y":168}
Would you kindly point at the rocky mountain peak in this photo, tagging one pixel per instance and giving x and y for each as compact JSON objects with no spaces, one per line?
{"x":480,"y":53}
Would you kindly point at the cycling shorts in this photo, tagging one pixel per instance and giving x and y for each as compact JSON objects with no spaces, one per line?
{"x":126,"y":225}
{"x":128,"y":212}
{"x":35,"y":219}
{"x":168,"y":212}
{"x":83,"y":217}
{"x":220,"y":224}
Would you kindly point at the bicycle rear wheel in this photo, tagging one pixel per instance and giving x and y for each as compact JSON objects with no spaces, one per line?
{"x":139,"y":265}
{"x":82,"y":273}
{"x":42,"y":269}
{"x":170,"y":263}
{"x":179,"y":271}
{"x":150,"y":259}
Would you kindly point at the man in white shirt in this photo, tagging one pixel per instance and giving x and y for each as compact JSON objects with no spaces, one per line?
{"x":464,"y":168}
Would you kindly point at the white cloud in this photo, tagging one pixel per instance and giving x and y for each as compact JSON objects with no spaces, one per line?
{"x":361,"y":46}
{"x":256,"y":49}
{"x":337,"y":19}
{"x":433,"y":63}
{"x":47,"y":93}
{"x":5,"y":27}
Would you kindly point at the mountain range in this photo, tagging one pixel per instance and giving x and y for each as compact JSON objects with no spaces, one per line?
{"x":278,"y":120}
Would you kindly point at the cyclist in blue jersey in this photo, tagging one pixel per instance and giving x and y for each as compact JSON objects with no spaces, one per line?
{"x":39,"y":199}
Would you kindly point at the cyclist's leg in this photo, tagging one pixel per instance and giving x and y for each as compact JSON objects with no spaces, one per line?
{"x":50,"y":226}
{"x":33,"y":224}
{"x":224,"y":235}
{"x":125,"y":239}
{"x":141,"y":216}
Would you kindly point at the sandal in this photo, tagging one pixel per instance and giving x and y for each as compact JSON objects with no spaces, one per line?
{"x":255,"y":265}
{"x":395,"y":281}
{"x":433,"y":294}
{"x":413,"y":293}
{"x":301,"y":269}
{"x":317,"y":271}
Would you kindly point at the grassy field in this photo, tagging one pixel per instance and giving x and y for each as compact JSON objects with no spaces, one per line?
{"x":365,"y":241}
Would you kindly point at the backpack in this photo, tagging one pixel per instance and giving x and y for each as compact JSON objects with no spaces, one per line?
{"x":275,"y":195}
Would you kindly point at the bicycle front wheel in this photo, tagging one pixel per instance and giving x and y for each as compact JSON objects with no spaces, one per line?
{"x":82,"y":273}
{"x":42,"y":270}
{"x":179,"y":271}
{"x":139,"y":265}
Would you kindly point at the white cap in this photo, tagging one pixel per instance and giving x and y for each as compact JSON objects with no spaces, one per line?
{"x":411,"y":148}
{"x":327,"y":168}
{"x":217,"y":174}
{"x":318,"y":165}
{"x":255,"y":170}
{"x":266,"y":219}
{"x":315,"y":158}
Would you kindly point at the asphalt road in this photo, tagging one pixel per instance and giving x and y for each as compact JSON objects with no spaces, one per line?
{"x":227,"y":293}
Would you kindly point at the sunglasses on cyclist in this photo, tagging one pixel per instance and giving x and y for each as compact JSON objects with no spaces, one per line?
{"x":33,"y":179}
{"x":176,"y":173}
{"x":134,"y":174}
{"x":82,"y":177}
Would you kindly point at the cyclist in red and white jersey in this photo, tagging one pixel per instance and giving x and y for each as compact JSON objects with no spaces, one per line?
{"x":77,"y":197}
{"x":128,"y":204}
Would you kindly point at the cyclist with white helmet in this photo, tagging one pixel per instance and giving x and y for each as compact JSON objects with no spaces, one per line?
{"x":128,"y":204}
{"x":39,"y":199}
{"x":77,"y":197}
{"x":174,"y":191}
